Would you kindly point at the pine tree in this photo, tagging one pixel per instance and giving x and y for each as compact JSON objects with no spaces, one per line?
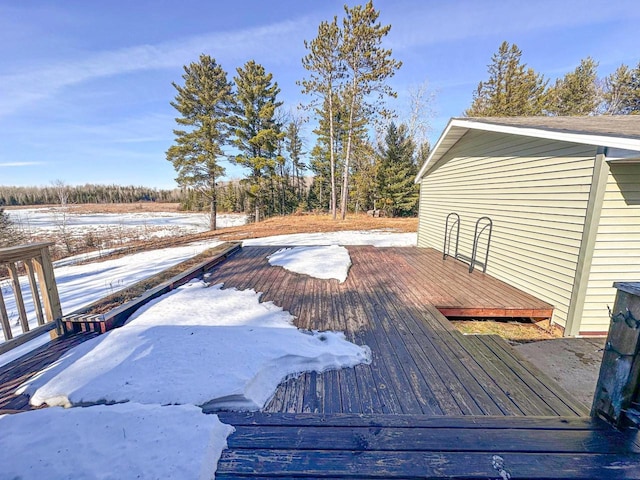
{"x":257,"y":132}
{"x":577,"y":93}
{"x":293,"y":145}
{"x":204,"y":103}
{"x":363,"y":177}
{"x":349,"y":69}
{"x":368,"y":66}
{"x":396,"y":171}
{"x":511,"y":90}
{"x":326,"y":69}
{"x":326,"y":156}
{"x":318,"y":197}
{"x":621,"y":94}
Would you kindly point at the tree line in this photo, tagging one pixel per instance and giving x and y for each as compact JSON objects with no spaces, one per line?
{"x":514,"y":89}
{"x":88,"y":193}
{"x":362,"y":157}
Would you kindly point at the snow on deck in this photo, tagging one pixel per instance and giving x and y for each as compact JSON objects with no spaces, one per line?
{"x":197,"y":345}
{"x":117,"y":441}
{"x":323,"y":262}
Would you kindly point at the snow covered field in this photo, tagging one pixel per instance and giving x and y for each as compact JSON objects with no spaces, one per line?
{"x":198,"y":345}
{"x":41,"y":222}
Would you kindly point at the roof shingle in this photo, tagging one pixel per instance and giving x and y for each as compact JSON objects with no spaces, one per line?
{"x":627,"y":126}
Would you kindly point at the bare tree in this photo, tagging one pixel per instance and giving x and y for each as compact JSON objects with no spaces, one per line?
{"x":421,"y":111}
{"x":61,"y":214}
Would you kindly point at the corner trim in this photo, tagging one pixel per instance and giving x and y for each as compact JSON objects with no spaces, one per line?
{"x":587,"y":245}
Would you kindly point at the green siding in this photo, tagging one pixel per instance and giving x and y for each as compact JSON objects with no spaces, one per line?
{"x":616,"y":256}
{"x":536,"y":192}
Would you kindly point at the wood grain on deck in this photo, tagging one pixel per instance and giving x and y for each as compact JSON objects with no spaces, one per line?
{"x":420,"y":366}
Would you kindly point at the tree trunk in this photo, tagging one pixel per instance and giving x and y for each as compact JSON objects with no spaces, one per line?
{"x":214,"y":212}
{"x":332,"y":157}
{"x":257,"y":212}
{"x":345,"y":172}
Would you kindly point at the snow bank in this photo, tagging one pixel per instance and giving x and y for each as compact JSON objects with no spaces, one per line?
{"x":199,"y":346}
{"x":83,"y":257}
{"x":377,"y":238}
{"x":118,"y":441}
{"x":319,"y":262}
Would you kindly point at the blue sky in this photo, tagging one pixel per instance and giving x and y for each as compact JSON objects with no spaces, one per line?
{"x":85,"y":86}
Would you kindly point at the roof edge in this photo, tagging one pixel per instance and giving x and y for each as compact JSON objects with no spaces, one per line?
{"x":437,"y":146}
{"x":465,"y":125}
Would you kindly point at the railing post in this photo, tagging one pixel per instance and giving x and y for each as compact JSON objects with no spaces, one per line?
{"x":37,"y":262}
{"x":617,"y":392}
{"x":34,"y":291}
{"x":44,"y":269}
{"x":17,"y":294}
{"x":4,"y":319}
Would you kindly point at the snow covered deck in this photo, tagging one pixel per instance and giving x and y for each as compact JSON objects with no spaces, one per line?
{"x":421,"y":365}
{"x":432,"y":403}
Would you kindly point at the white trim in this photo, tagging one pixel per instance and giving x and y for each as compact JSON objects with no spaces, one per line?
{"x":623,"y":143}
{"x":436,"y":150}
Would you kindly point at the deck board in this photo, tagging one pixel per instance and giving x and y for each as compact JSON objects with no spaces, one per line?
{"x":23,"y":369}
{"x":410,"y":446}
{"x":420,"y":364}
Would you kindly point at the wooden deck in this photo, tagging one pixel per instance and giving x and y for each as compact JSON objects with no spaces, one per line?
{"x":448,"y":285}
{"x":419,"y":447}
{"x":420,"y":364}
{"x":432,"y":404}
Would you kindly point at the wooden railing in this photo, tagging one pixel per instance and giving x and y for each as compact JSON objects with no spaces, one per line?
{"x":39,"y":270}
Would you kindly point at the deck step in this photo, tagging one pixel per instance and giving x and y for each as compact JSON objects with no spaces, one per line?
{"x":416,"y":446}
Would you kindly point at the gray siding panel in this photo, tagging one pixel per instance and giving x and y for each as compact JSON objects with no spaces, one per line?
{"x":536,"y":192}
{"x":616,"y":256}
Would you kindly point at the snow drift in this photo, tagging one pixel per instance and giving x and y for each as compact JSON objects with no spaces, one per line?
{"x":117,"y":441}
{"x":198,"y":345}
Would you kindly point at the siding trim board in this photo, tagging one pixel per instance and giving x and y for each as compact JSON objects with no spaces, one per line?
{"x":616,"y":255}
{"x":585,"y":257}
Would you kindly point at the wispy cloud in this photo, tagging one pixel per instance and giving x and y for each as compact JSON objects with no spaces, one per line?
{"x":18,"y":89}
{"x":431,"y":23}
{"x":20,"y":164}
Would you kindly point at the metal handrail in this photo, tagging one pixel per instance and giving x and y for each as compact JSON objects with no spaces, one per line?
{"x":447,"y":235}
{"x":476,"y":237}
